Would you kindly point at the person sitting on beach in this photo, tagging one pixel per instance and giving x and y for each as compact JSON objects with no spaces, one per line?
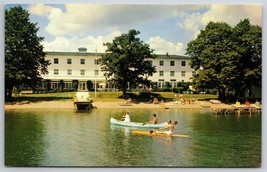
{"x":182,"y":101}
{"x":155,"y":100}
{"x":193,"y":100}
{"x":169,"y":132}
{"x":127,"y":102}
{"x":247,"y":103}
{"x":126,"y":117}
{"x":257,"y":104}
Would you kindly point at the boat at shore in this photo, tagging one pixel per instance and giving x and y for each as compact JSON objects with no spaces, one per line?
{"x":157,"y":134}
{"x":83,"y":101}
{"x":137,"y":124}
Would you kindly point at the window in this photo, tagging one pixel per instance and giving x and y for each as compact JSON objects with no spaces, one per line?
{"x":183,"y":73}
{"x":172,"y":63}
{"x":96,"y":61}
{"x":183,"y":63}
{"x":161,"y":73}
{"x":69,"y":71}
{"x":161,"y":63}
{"x":55,"y":60}
{"x":68,"y":61}
{"x":82,"y":61}
{"x":172,"y":73}
{"x":56,"y":72}
{"x":96,"y":72}
{"x":54,"y":85}
{"x":160,"y":83}
{"x":67,"y":85}
{"x":82,"y":72}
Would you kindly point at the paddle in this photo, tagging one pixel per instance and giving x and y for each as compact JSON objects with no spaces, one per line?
{"x":146,"y":123}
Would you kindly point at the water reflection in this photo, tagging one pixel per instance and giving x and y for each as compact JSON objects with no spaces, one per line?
{"x":225,"y":141}
{"x":24,"y":144}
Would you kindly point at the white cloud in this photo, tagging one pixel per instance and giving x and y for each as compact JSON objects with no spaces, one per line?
{"x":192,"y":23}
{"x":83,"y":17}
{"x":161,"y":46}
{"x":232,"y":14}
{"x":40,"y":9}
{"x":72,"y":44}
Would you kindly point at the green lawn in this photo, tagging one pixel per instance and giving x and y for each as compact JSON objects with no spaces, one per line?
{"x":110,"y":96}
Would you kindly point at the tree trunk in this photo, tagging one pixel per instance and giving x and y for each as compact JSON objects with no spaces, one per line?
{"x":8,"y":93}
{"x":124,"y":92}
{"x":222,"y":95}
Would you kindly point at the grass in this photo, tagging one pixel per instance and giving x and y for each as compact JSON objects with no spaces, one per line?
{"x":110,"y":96}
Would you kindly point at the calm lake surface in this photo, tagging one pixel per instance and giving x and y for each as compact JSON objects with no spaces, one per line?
{"x":63,"y":137}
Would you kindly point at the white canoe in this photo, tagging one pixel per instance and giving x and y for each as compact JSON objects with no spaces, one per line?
{"x":137,"y":124}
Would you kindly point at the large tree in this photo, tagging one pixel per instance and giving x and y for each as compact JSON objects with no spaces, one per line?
{"x":24,"y":56}
{"x":227,"y":58}
{"x":126,"y":61}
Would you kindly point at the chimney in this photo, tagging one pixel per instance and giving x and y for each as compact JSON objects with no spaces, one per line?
{"x":82,"y":50}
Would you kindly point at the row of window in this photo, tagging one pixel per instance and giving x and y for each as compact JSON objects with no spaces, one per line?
{"x":96,"y":62}
{"x":172,"y":73}
{"x":96,"y":72}
{"x":82,"y":61}
{"x":69,"y":72}
{"x":172,"y":63}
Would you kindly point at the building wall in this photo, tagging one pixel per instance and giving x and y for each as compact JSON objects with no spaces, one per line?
{"x":171,"y":70}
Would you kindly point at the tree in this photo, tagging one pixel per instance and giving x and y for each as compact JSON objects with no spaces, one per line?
{"x":226,"y":58}
{"x":126,"y":61}
{"x":24,"y":56}
{"x":75,"y":84}
{"x":89,"y":85}
{"x":249,"y":40}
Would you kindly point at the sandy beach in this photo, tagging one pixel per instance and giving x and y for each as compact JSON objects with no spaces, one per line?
{"x":110,"y":105}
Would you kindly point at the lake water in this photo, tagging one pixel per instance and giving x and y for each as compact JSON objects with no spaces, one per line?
{"x":64,"y":137}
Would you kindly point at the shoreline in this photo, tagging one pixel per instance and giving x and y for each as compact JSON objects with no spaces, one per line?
{"x":68,"y":104}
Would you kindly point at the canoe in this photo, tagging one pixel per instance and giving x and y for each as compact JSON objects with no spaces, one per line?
{"x":137,"y":124}
{"x":159,"y":134}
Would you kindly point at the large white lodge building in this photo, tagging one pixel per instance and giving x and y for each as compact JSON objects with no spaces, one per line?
{"x":84,"y":66}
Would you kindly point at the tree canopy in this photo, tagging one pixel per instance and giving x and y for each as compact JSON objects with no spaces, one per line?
{"x":126,"y":61}
{"x":24,"y":56}
{"x":227,"y":58}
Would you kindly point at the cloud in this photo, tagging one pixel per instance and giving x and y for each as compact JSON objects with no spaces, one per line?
{"x":40,"y":9}
{"x":192,"y":23}
{"x":161,"y":46}
{"x":72,"y":44}
{"x":231,"y":14}
{"x":81,"y":17}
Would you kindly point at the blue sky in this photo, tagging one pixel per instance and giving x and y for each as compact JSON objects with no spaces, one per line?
{"x":166,"y":28}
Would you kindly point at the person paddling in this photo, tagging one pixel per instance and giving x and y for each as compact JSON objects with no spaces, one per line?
{"x":154,"y":121}
{"x":126,"y":117}
{"x":169,"y":132}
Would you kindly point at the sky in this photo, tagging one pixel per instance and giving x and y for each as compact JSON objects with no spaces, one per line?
{"x":167,"y":28}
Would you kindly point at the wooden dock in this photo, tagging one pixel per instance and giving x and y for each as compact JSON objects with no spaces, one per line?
{"x":238,"y":110}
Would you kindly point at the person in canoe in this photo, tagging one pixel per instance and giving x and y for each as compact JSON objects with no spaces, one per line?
{"x":169,"y":132}
{"x":126,"y":117}
{"x":153,"y":121}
